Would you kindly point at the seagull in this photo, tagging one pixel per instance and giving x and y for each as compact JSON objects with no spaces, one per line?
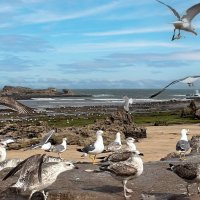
{"x":116,"y":145}
{"x":183,"y":145}
{"x":44,"y":144}
{"x":3,"y":144}
{"x":125,"y":170}
{"x":60,"y":148}
{"x":2,"y":152}
{"x":9,"y":163}
{"x":189,"y":80}
{"x":130,"y":146}
{"x":189,"y":172}
{"x":123,"y":153}
{"x":34,"y":176}
{"x":184,"y":22}
{"x":95,"y":148}
{"x":127,"y":102}
{"x":15,"y":105}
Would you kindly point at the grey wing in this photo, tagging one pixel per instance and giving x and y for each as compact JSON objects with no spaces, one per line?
{"x":43,"y":141}
{"x":192,"y":12}
{"x":58,"y":148}
{"x":114,"y":146}
{"x":15,"y":105}
{"x":182,"y":145}
{"x":88,"y":148}
{"x":122,"y":169}
{"x":172,"y":9}
{"x":26,"y":165}
{"x":173,"y":82}
{"x":47,"y":137}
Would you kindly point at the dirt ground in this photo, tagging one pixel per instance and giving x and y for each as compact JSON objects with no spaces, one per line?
{"x":160,"y":141}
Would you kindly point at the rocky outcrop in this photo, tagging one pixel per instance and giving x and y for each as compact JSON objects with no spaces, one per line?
{"x":195,"y":144}
{"x":25,"y":92}
{"x":29,"y":133}
{"x":189,"y":111}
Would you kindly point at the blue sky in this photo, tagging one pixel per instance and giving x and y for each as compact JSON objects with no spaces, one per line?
{"x":94,"y":44}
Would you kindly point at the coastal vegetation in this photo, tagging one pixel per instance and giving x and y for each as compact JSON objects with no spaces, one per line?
{"x":144,"y":119}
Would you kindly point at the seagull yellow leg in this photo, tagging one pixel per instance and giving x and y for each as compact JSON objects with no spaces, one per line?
{"x":94,"y":159}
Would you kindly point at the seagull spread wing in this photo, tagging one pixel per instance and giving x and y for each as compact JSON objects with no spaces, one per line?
{"x":15,"y":105}
{"x":192,"y":12}
{"x":193,"y":78}
{"x":43,"y":141}
{"x":27,"y":167}
{"x":172,"y":9}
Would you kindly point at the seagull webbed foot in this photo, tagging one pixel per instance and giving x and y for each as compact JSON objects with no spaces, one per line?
{"x":129,"y":190}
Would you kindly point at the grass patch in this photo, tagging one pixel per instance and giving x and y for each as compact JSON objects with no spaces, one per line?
{"x":162,"y":118}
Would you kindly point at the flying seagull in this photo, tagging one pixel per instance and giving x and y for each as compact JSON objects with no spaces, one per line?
{"x":127,"y":102}
{"x":15,"y":105}
{"x":189,"y":80}
{"x":43,"y":141}
{"x":183,"y":145}
{"x":189,"y":172}
{"x":184,"y":22}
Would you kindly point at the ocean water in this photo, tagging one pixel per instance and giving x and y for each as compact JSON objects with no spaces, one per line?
{"x":107,"y":97}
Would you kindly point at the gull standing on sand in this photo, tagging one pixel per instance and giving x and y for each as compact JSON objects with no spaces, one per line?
{"x":189,"y":172}
{"x":184,"y":22}
{"x":127,"y":102}
{"x":60,"y":148}
{"x":44,"y":144}
{"x":183,"y":145}
{"x":116,"y":145}
{"x":34,"y":176}
{"x":125,"y":170}
{"x":95,"y":148}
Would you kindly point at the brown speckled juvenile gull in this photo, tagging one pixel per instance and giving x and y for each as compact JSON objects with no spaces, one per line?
{"x":34,"y":176}
{"x":125,"y":170}
{"x":189,"y":172}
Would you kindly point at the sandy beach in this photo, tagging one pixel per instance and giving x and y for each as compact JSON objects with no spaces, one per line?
{"x":160,"y":141}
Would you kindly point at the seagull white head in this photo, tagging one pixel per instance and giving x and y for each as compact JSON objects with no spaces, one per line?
{"x":130,"y":140}
{"x":184,"y":133}
{"x":99,"y":132}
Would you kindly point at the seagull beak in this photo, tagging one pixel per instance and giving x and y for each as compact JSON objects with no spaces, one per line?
{"x":141,"y":154}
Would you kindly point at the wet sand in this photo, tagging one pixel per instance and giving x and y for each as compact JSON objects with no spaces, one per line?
{"x":160,"y":141}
